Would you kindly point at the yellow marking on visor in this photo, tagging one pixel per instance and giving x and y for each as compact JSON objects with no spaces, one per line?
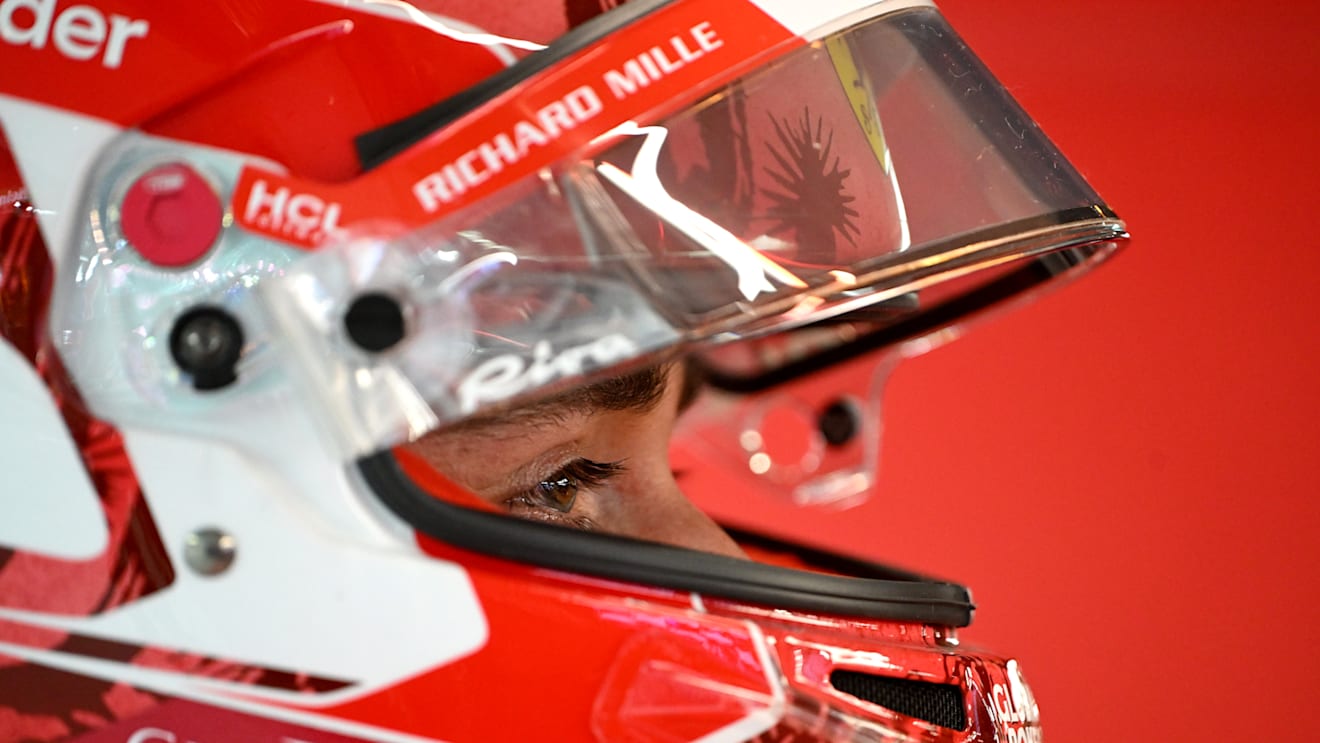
{"x":857,"y":86}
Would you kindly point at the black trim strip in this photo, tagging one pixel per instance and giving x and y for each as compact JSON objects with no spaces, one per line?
{"x":928,"y":320}
{"x":819,"y":559}
{"x":619,"y":558}
{"x":380,"y":144}
{"x":923,"y":323}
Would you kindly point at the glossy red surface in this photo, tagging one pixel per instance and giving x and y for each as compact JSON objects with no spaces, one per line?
{"x":573,"y":656}
{"x":1126,"y":471}
{"x":580,"y":657}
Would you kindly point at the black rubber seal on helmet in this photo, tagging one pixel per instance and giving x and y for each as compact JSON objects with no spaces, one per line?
{"x":380,"y":144}
{"x":899,"y":596}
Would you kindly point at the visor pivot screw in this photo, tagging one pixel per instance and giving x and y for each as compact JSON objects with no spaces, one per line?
{"x":171,"y":215}
{"x":206,"y":343}
{"x":374,"y":322}
{"x":838,"y":422}
{"x":209,"y":551}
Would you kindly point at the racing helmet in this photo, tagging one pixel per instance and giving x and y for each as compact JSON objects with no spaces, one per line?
{"x":398,"y":371}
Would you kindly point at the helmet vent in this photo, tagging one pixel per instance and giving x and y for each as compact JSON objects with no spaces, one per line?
{"x":938,"y":704}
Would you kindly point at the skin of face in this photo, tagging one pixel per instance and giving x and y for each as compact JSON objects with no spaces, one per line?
{"x":605,"y":455}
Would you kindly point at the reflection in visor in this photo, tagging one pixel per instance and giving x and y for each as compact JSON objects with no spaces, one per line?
{"x":753,"y":268}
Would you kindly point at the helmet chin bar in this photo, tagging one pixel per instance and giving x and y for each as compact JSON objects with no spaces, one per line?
{"x":884,"y":593}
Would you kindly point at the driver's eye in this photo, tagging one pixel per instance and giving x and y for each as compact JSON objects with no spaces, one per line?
{"x":559,"y":491}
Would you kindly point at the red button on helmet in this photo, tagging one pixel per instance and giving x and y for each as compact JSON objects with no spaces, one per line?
{"x":171,"y":215}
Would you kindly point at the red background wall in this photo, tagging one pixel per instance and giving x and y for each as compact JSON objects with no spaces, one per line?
{"x":1137,"y":456}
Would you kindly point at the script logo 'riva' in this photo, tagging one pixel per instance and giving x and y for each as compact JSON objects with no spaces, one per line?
{"x":78,"y":32}
{"x":505,"y":376}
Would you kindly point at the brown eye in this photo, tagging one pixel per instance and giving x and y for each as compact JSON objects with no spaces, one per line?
{"x":559,"y":492}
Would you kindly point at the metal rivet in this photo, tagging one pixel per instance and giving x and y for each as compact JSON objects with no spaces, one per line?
{"x":209,"y":551}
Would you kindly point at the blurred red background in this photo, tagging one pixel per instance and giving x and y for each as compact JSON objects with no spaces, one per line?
{"x":1126,"y":472}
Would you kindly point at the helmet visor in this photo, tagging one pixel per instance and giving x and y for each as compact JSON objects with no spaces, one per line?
{"x":869,"y":170}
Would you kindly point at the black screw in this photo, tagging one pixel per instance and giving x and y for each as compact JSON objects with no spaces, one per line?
{"x":374,"y":322}
{"x":838,"y":423}
{"x":206,"y":343}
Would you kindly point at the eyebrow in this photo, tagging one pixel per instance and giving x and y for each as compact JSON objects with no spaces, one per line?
{"x":639,"y":391}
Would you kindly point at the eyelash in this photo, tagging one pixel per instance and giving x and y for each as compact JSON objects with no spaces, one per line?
{"x":572,"y":477}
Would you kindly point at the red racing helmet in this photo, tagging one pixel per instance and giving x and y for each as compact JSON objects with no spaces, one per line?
{"x":393,"y":371}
